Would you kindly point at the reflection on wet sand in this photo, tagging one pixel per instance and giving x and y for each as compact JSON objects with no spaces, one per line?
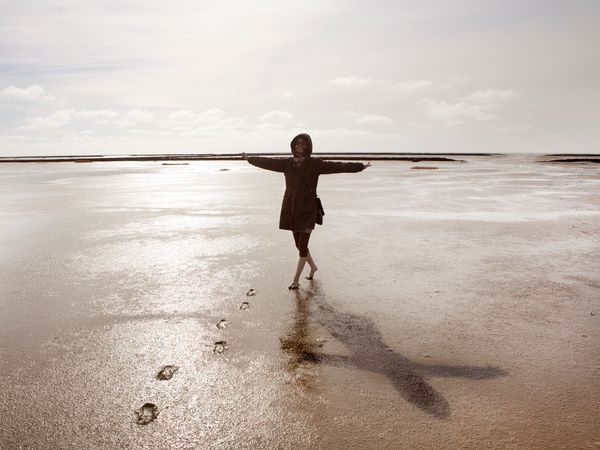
{"x":300,"y":344}
{"x":369,"y":352}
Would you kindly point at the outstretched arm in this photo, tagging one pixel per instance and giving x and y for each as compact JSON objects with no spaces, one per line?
{"x":326,"y":167}
{"x":275,"y":164}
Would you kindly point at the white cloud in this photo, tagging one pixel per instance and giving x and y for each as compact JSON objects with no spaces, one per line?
{"x":33,"y":93}
{"x":351,"y":81}
{"x":96,"y":114}
{"x":373,"y":118}
{"x":341,"y":133}
{"x":411,"y":85}
{"x":275,"y":120}
{"x":455,"y":113}
{"x":399,"y":86}
{"x":269,"y":126}
{"x":517,"y":129}
{"x":136,"y":117}
{"x":476,"y":107}
{"x":186,"y":121}
{"x":491,"y":96}
{"x":277,"y":116}
{"x":189,"y":118}
{"x":211,"y":115}
{"x":378,"y":119}
{"x":55,"y":120}
{"x":80,"y":136}
{"x":63,"y":117}
{"x":233,"y":122}
{"x":179,"y":119}
{"x":287,"y":95}
{"x":136,"y":121}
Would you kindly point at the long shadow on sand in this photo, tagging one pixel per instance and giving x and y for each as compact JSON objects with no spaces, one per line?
{"x":370,"y":352}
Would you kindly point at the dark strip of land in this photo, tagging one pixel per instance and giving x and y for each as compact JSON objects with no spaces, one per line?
{"x":570,"y":160}
{"x":574,"y":154}
{"x":413,"y":157}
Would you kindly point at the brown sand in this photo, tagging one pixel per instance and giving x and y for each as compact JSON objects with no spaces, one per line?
{"x":456,"y":308}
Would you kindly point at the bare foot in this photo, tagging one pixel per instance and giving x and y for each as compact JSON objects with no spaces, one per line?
{"x":294,"y":285}
{"x":312,"y":272}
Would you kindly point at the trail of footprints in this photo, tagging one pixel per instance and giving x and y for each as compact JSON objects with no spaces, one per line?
{"x":149,"y":411}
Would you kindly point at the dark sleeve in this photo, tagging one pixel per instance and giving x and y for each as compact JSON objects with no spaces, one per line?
{"x":326,"y":167}
{"x":275,"y":164}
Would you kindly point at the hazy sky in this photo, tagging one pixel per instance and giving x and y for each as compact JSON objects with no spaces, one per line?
{"x":122,"y":76}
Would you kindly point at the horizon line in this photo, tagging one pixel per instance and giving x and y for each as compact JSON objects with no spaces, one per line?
{"x":352,"y":156}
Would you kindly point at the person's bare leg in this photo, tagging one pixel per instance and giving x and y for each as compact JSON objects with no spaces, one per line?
{"x":299,"y":268}
{"x":313,"y":266}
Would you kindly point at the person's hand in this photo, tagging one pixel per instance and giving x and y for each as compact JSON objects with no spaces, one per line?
{"x":366,"y":165}
{"x":244,"y":155}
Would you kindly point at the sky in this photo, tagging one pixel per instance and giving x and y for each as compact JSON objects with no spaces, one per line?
{"x":125,"y":77}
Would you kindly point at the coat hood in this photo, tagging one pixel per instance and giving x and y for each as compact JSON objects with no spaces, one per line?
{"x":308,"y":151}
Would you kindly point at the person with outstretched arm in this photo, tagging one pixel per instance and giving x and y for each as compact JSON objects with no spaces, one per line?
{"x":300,"y":208}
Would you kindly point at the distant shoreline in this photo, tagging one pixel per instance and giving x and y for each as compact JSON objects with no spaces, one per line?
{"x":348,"y":156}
{"x":414,"y":157}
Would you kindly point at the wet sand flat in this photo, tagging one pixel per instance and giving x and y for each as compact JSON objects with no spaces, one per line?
{"x":453,"y":308}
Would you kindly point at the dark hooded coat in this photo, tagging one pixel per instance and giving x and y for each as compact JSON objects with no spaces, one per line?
{"x":299,"y":206}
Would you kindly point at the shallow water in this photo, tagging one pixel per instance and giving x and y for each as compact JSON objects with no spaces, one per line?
{"x":455,"y":307}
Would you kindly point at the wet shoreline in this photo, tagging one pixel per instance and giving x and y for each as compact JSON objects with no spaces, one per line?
{"x":144,"y":306}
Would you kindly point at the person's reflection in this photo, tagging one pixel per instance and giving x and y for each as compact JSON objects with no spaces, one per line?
{"x":301,"y":345}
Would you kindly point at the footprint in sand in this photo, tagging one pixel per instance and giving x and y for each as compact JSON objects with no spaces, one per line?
{"x":146,"y":414}
{"x":222,"y":324}
{"x":220,"y":347}
{"x":244,"y":306}
{"x":251,"y":292}
{"x":167,"y":372}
